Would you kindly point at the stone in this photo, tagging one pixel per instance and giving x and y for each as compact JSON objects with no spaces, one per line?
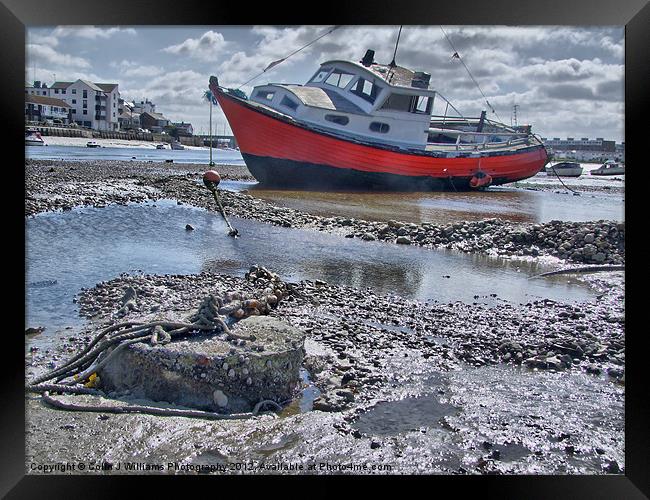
{"x":403,"y":240}
{"x":205,"y":372}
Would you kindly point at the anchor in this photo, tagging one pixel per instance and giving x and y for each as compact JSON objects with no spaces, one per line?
{"x":211,"y":179}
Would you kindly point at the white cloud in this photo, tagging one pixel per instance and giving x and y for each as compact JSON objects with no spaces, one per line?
{"x":46,"y":54}
{"x":208,"y":47}
{"x":90,"y":32}
{"x":135,"y":70}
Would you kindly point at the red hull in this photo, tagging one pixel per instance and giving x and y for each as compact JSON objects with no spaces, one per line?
{"x":261,"y":135}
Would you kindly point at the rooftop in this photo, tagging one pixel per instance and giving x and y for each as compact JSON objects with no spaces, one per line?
{"x":49,"y":101}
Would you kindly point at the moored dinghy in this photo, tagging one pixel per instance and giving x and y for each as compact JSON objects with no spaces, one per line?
{"x":565,"y":169}
{"x":368,"y":125}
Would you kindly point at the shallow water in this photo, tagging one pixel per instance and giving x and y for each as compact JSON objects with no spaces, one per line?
{"x":507,"y":203}
{"x":70,"y":250}
{"x":71,"y":153}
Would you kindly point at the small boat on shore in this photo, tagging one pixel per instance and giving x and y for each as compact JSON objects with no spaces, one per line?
{"x":565,"y":169}
{"x":33,"y":138}
{"x":93,"y":144}
{"x":364,"y":125}
{"x":609,"y":168}
{"x":160,"y":146}
{"x":177,"y":145}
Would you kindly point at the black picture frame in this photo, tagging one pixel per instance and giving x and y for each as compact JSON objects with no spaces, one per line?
{"x":16,"y":15}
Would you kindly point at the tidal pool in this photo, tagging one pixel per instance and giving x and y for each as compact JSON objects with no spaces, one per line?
{"x":70,"y":250}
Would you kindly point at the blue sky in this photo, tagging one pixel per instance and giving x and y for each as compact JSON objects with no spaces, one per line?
{"x":567,"y":81}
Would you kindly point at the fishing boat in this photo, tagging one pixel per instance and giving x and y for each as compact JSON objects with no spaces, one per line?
{"x":370,"y":126}
{"x":609,"y":168}
{"x":33,"y":138}
{"x":92,"y":144}
{"x":565,"y":169}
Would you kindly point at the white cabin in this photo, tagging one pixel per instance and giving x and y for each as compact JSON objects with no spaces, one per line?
{"x":386,"y":104}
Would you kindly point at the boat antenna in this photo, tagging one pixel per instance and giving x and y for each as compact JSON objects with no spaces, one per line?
{"x":392,"y":63}
{"x":275,"y":63}
{"x":456,"y":55}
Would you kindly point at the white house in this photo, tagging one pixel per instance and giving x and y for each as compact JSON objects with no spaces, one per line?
{"x":93,"y":105}
{"x":40,"y":108}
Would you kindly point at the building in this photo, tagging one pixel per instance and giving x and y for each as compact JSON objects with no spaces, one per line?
{"x":92,"y":105}
{"x":184,"y":129}
{"x":154,"y":122}
{"x":40,"y":108}
{"x":585,"y":149}
{"x":145,"y":106}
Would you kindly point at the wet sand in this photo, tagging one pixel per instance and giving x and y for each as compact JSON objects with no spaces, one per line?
{"x":472,"y":389}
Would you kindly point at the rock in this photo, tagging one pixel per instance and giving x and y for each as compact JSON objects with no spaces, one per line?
{"x":206,"y":373}
{"x":34,"y":331}
{"x":189,"y":227}
{"x":220,"y":398}
{"x":368,"y":237}
{"x":403,"y":240}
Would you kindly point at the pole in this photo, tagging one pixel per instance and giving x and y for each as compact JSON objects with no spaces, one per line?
{"x":211,"y":162}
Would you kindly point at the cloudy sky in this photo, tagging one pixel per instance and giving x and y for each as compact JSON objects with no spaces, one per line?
{"x":567,"y":81}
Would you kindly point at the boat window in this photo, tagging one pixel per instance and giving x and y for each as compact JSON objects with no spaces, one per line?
{"x":422,"y":104}
{"x":320,"y":76}
{"x":339,"y":78}
{"x":380,"y":127}
{"x":265,"y":94}
{"x":398,"y":102}
{"x":338,"y":119}
{"x":366,"y":90}
{"x":289,"y":103}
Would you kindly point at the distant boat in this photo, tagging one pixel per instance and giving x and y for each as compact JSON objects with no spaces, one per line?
{"x":160,"y":146}
{"x":92,"y":144}
{"x":33,"y":138}
{"x":177,"y":145}
{"x":565,"y":169}
{"x":609,"y":168}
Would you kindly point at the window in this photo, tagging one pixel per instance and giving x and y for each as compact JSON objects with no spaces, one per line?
{"x":422,"y":104}
{"x":63,"y":91}
{"x":56,"y":91}
{"x":85,"y":93}
{"x":289,"y":103}
{"x":44,"y":93}
{"x":85,"y":105}
{"x":339,"y":78}
{"x":74,"y":91}
{"x":382,"y":128}
{"x":408,"y":103}
{"x":320,"y":76}
{"x":366,"y":90}
{"x":338,"y":119}
{"x":74,"y":101}
{"x":265,"y":94}
{"x":85,"y":111}
{"x":398,"y":102}
{"x":74,"y":111}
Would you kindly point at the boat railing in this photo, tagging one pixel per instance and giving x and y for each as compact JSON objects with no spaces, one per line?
{"x":513,"y":140}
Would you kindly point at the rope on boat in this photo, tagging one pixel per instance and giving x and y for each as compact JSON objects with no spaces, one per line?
{"x":457,"y":55}
{"x":275,"y":63}
{"x":587,"y":269}
{"x":83,"y":366}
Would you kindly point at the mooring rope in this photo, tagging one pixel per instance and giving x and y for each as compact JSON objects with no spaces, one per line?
{"x":567,"y":187}
{"x":118,"y":337}
{"x":232,"y":231}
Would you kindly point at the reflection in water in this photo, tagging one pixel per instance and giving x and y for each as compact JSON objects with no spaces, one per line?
{"x":80,"y":248}
{"x":506,"y":203}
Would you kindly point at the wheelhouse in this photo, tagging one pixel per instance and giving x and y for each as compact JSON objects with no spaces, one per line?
{"x":387,"y":104}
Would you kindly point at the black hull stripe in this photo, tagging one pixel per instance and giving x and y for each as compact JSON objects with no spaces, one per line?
{"x":274,"y":172}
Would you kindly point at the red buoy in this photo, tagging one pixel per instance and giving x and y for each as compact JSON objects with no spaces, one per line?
{"x":211,"y":179}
